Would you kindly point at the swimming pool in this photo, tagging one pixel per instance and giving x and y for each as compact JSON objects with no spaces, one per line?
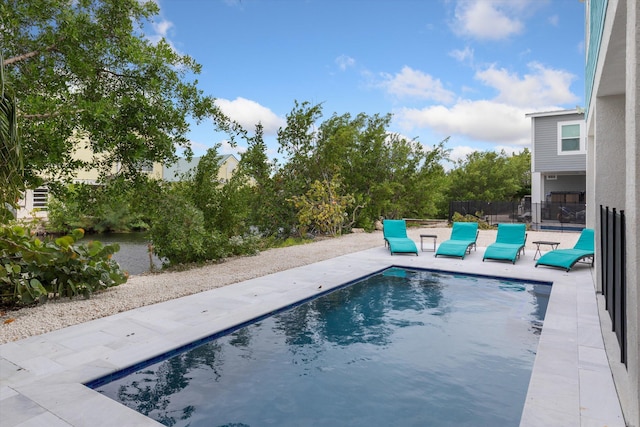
{"x":404,"y":347}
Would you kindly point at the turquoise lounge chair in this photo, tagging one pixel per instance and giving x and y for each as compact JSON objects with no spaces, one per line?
{"x":463,"y":237}
{"x":509,"y":243}
{"x":395,"y":235}
{"x":566,"y":258}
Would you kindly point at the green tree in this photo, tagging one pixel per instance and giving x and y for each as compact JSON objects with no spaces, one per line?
{"x":298,"y":142}
{"x":224,"y":204}
{"x":205,"y":190}
{"x":520,"y":164}
{"x":201,"y":218}
{"x":254,"y":163}
{"x":490,"y":176}
{"x":89,"y":75}
{"x":387,"y":174}
{"x":264,"y":204}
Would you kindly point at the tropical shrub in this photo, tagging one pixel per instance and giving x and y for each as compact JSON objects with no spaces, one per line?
{"x":63,"y":217}
{"x":32,"y":270}
{"x":179,"y":235}
{"x":96,"y":208}
{"x":322,"y":209}
{"x":478,"y":217}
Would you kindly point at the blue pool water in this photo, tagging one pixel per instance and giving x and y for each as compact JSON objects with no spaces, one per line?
{"x":400,"y":348}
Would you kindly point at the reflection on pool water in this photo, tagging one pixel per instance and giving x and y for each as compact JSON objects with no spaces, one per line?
{"x":402,"y":348}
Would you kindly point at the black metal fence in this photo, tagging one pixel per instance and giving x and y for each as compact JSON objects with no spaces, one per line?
{"x":613,"y":273}
{"x":540,"y":216}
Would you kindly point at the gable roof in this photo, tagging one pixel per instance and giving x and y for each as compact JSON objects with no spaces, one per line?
{"x":555,"y":113}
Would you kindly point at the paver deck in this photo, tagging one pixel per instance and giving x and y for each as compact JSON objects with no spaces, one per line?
{"x":42,"y":377}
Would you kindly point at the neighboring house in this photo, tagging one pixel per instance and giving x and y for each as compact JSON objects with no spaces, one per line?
{"x":558,"y":167}
{"x":612,"y":80}
{"x":227,"y":165}
{"x":34,"y":203}
{"x":91,"y":176}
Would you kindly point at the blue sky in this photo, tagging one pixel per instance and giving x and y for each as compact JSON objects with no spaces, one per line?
{"x":468,"y":69}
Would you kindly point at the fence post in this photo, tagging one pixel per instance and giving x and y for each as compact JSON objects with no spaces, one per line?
{"x":603,"y":252}
{"x":620,"y":266}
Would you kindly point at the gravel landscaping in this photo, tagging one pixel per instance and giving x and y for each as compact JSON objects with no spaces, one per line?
{"x":149,"y":289}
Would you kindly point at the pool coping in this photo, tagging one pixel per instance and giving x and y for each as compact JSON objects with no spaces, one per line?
{"x":42,"y":377}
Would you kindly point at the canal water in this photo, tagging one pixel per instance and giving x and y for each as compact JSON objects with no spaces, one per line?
{"x":133,"y":255}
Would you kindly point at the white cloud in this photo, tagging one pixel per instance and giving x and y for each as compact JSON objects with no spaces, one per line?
{"x":510,"y":150}
{"x":481,"y":120}
{"x":162,"y":28}
{"x":487,"y":20}
{"x":249,"y":113}
{"x":463,"y":55}
{"x":460,"y":153}
{"x":227,"y":148}
{"x":161,"y":31}
{"x":198,"y":146}
{"x":523,"y":54}
{"x":554,"y":20}
{"x":502,"y":119}
{"x":410,"y":83}
{"x":540,"y":88}
{"x":345,"y":62}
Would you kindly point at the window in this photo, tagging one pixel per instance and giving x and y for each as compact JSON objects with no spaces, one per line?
{"x":145,"y":166}
{"x":40,"y":198}
{"x":570,"y":140}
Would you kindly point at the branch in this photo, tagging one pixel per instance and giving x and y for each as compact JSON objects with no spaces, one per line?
{"x":47,"y":115}
{"x":113,"y":73}
{"x":28,"y":55}
{"x":353,"y":216}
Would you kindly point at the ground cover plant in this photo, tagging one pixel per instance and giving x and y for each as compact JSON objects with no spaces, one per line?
{"x":34,"y":269}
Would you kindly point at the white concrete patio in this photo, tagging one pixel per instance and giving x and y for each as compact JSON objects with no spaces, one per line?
{"x":42,"y":377}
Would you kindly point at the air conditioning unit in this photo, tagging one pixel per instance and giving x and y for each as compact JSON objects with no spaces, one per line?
{"x":552,"y":177}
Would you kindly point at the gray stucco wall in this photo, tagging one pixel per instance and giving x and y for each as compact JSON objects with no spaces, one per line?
{"x":614,"y":117}
{"x":610,"y":152}
{"x":632,"y":137}
{"x":611,"y":176}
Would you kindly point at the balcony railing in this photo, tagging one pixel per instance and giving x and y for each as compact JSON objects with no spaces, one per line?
{"x":597,"y":12}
